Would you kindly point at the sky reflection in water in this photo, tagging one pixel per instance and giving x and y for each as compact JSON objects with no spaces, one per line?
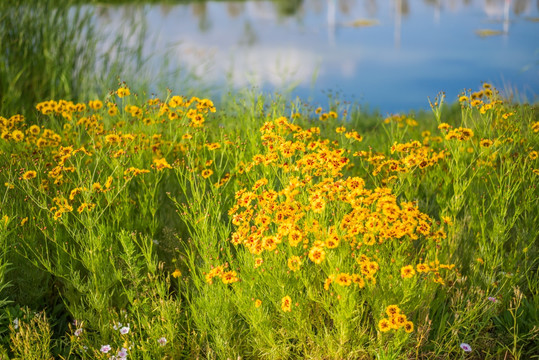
{"x":411,"y":50}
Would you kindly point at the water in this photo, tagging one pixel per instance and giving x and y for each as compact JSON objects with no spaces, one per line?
{"x":389,"y":55}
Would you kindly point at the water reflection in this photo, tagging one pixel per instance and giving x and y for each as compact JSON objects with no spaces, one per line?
{"x":299,"y":8}
{"x":366,"y":48}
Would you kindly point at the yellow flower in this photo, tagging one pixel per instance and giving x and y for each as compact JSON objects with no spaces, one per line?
{"x":486,"y":143}
{"x":57,"y":214}
{"x":133,"y":171}
{"x":393,"y":323}
{"x":82,"y":207}
{"x":447,"y":220}
{"x":465,"y":133}
{"x":161,"y":164}
{"x":17,"y":135}
{"x":269,"y":243}
{"x":328,"y":282}
{"x":229,"y":277}
{"x":533,"y":155}
{"x":476,"y":102}
{"x":95,"y":104}
{"x":340,"y":129}
{"x":400,"y":319}
{"x":384,"y":325}
{"x":422,"y":268}
{"x":444,"y":126}
{"x":317,"y":254}
{"x":258,"y":303}
{"x":123,"y":91}
{"x":177,"y":273}
{"x":175,"y":101}
{"x":332,"y":242}
{"x":408,"y":326}
{"x":118,"y":153}
{"x":439,"y":280}
{"x":286,"y":304}
{"x":34,"y":130}
{"x":112,"y":138}
{"x":318,"y":206}
{"x":392,"y":310}
{"x":74,"y":193}
{"x":108,"y":183}
{"x":214,"y":272}
{"x":206,"y":173}
{"x":407,"y":272}
{"x":258,"y":262}
{"x":477,"y":95}
{"x":369,"y":239}
{"x":343,"y":279}
{"x":113,"y":110}
{"x":358,"y":280}
{"x":294,"y":263}
{"x":411,"y":122}
{"x":353,"y":135}
{"x":23,"y":221}
{"x":29,"y":175}
{"x":213,"y":146}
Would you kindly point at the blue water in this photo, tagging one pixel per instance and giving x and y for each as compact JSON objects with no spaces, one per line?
{"x":415,"y":50}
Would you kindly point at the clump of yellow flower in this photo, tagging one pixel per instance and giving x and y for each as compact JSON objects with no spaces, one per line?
{"x":123,"y":92}
{"x":161,"y":164}
{"x":395,"y":320}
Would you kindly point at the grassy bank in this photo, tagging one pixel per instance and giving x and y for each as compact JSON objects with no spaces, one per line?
{"x":166,"y":228}
{"x":133,"y":226}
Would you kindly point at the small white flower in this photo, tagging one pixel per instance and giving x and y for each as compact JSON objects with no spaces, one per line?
{"x":122,"y":354}
{"x":16,"y":323}
{"x":124,"y":330}
{"x":465,"y":347}
{"x":105,"y":349}
{"x":162,"y":341}
{"x":78,"y":332}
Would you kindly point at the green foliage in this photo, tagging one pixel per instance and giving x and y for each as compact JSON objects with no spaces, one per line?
{"x":150,"y":225}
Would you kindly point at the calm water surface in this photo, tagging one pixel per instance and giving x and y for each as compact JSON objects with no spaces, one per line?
{"x":391,"y":54}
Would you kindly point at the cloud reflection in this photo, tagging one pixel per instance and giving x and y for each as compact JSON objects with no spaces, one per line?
{"x":249,"y":66}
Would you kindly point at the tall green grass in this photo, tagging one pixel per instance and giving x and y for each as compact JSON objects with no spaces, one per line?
{"x":55,"y":49}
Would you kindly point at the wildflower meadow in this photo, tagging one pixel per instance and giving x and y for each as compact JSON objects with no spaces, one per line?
{"x":141,"y":227}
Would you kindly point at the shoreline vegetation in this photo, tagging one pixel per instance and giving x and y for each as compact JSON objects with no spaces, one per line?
{"x":138,"y":226}
{"x":167,"y":228}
